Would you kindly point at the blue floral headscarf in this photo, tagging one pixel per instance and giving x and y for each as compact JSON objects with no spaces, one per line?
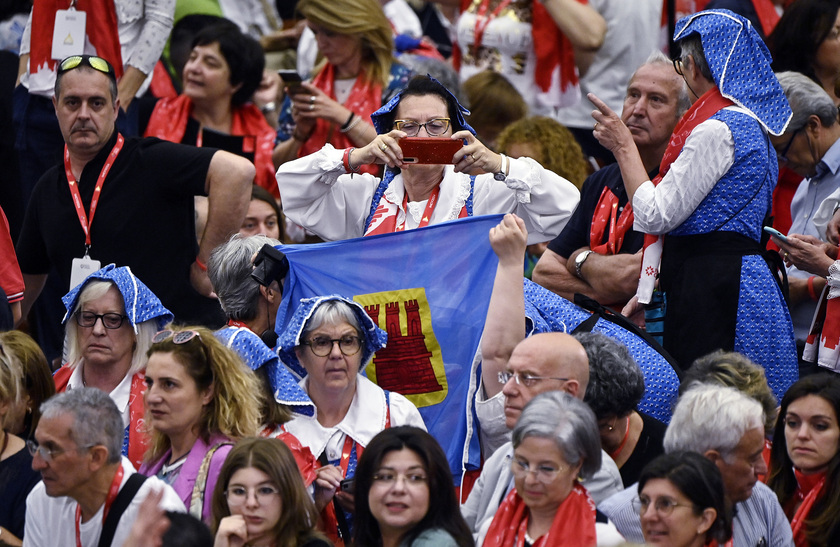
{"x":141,"y":304}
{"x":373,"y":338}
{"x":740,"y":65}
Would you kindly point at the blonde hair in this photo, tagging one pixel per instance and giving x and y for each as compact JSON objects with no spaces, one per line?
{"x":11,"y":377}
{"x":36,"y":377}
{"x":357,"y":18}
{"x":234,"y":410}
{"x":92,"y":290}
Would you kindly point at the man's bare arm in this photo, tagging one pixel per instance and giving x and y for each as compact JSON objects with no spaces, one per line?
{"x":33,"y":285}
{"x":553,"y":273}
{"x":613,"y":278}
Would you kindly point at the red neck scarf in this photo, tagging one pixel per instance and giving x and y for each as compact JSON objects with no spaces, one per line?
{"x":365,"y":98}
{"x":808,"y":491}
{"x":703,"y":108}
{"x":573,"y":524}
{"x":767,"y":15}
{"x":101,"y":31}
{"x":607,"y":210}
{"x":169,"y":122}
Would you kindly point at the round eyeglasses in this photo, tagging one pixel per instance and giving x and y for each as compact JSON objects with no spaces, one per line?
{"x":322,"y":346}
{"x":663,"y":506}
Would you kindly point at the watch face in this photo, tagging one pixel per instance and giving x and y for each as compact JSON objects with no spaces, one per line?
{"x":499,"y":176}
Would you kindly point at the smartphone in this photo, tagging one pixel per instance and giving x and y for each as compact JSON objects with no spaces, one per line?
{"x":348,"y":485}
{"x":776,"y":233}
{"x":292,"y":80}
{"x":429,"y":150}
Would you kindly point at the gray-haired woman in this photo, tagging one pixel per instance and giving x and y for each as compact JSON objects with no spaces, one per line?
{"x":554,"y":442}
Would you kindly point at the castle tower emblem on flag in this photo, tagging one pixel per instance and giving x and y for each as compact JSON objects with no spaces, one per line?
{"x":411,"y":364}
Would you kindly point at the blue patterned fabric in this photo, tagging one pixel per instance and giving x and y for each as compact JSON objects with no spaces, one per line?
{"x":373,"y":338}
{"x":740,"y":65}
{"x":141,"y":304}
{"x":548,"y":312}
{"x":738,"y":203}
{"x":254,"y":353}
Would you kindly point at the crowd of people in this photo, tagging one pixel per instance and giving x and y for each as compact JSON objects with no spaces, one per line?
{"x":658,"y":354}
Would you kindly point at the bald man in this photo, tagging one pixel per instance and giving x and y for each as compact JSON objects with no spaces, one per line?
{"x":515,"y":369}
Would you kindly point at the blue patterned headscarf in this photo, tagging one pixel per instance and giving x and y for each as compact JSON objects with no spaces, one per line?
{"x":740,"y":65}
{"x":381,"y":117}
{"x":141,"y":304}
{"x":373,"y":338}
{"x":254,"y":353}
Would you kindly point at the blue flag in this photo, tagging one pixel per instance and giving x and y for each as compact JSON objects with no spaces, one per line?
{"x":429,"y":288}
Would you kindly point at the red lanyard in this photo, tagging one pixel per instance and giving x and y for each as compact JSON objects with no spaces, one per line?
{"x":427,"y":213}
{"x":478,"y":34}
{"x":74,"y":187}
{"x":236,"y":323}
{"x":112,"y":495}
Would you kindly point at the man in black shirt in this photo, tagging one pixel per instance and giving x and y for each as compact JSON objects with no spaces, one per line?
{"x":597,"y":253}
{"x":129,"y":201}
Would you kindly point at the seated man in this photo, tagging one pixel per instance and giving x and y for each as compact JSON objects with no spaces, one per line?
{"x":727,"y":427}
{"x":85,"y":480}
{"x":597,"y":253}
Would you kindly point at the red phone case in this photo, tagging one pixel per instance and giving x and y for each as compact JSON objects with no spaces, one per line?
{"x":429,"y":150}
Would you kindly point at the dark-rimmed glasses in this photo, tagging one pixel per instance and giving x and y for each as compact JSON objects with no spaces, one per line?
{"x":179,"y":337}
{"x":94,"y":62}
{"x":434,"y":127}
{"x":782,"y":156}
{"x":109,"y":320}
{"x":663,"y":506}
{"x":322,"y":346}
{"x":525,"y":379}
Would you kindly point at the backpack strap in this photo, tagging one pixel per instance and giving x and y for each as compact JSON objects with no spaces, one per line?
{"x":197,"y":497}
{"x":124,"y":498}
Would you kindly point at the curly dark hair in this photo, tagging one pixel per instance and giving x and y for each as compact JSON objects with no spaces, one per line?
{"x":616,"y":383}
{"x":243,"y":54}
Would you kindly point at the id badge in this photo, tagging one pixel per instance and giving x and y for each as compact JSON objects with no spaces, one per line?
{"x":69,"y":33}
{"x":81,"y":268}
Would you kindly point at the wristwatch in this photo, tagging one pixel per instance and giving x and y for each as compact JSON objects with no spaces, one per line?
{"x":501,"y":176}
{"x":579,"y":260}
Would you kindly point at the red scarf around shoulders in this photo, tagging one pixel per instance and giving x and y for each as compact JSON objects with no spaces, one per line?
{"x":169,"y":122}
{"x":573,"y":524}
{"x":101,"y":31}
{"x":809,"y":489}
{"x":365,"y":98}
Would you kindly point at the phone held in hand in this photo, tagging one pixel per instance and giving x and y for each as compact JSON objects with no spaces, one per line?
{"x":348,"y":485}
{"x":776,"y":233}
{"x":292,"y":80}
{"x":429,"y":150}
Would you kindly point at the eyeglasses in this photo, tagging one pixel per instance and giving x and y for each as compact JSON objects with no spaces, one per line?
{"x":94,"y":62}
{"x":109,"y":320}
{"x":782,"y":156}
{"x":525,"y":379}
{"x":434,"y":127}
{"x":678,"y":65}
{"x":322,"y":346}
{"x":389,"y":478}
{"x":180,"y":337}
{"x":663,"y":506}
{"x":48,"y":454}
{"x":238,"y":495}
{"x":543,"y":473}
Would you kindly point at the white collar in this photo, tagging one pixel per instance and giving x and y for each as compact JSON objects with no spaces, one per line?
{"x":120,"y":395}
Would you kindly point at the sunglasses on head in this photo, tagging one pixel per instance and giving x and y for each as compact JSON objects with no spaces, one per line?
{"x":179,"y":337}
{"x":94,"y":62}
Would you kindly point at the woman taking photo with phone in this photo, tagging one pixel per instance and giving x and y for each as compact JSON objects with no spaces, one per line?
{"x":323,"y":193}
{"x":398,"y":473}
{"x":260,"y":499}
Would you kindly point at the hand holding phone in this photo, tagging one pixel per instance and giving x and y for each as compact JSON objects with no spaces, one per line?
{"x":776,"y":233}
{"x":292,"y":80}
{"x":429,"y":150}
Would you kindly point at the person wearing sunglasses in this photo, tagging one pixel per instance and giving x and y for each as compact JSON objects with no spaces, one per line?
{"x":327,"y":342}
{"x":681,"y":502}
{"x":110,"y":320}
{"x":260,"y":499}
{"x":200,"y":398}
{"x":555,"y":441}
{"x":143,"y":213}
{"x":323,"y":192}
{"x":704,"y":211}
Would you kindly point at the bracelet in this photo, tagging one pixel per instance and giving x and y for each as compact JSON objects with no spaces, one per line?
{"x":348,"y":128}
{"x":345,"y":160}
{"x":811,"y":291}
{"x":201,"y":264}
{"x":343,"y":128}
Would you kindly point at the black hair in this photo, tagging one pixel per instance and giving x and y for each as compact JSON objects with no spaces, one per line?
{"x":243,"y":54}
{"x":419,"y":86}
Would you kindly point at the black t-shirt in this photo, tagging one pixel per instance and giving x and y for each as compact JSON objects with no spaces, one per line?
{"x":17,"y":479}
{"x":145,"y":220}
{"x":576,"y":233}
{"x":648,"y":447}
